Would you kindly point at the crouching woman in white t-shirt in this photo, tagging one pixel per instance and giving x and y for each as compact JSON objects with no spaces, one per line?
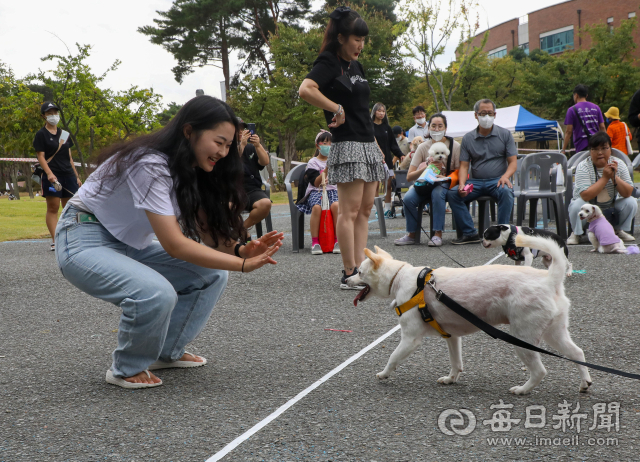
{"x":183,"y":184}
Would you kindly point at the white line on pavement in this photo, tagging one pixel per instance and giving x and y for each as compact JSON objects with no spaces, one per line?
{"x":270,"y":418}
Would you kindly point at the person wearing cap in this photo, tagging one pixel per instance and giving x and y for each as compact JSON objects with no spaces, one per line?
{"x":254,"y":159}
{"x":60,"y":180}
{"x":403,"y":141}
{"x":617,"y":130}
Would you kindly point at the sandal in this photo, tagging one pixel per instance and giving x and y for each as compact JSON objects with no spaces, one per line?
{"x":124,"y":384}
{"x":180,"y":364}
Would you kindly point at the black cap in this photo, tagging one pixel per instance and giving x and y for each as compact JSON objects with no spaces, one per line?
{"x":48,"y":105}
{"x":397,"y":130}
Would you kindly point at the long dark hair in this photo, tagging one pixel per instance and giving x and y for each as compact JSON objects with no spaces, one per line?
{"x":348,"y":23}
{"x":219,"y":194}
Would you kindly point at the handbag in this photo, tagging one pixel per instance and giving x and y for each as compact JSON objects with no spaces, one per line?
{"x":326,"y":234}
{"x":611,"y":214}
{"x":39,"y":171}
{"x":628,"y":140}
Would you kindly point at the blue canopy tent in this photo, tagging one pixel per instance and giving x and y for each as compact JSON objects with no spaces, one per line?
{"x":513,"y":118}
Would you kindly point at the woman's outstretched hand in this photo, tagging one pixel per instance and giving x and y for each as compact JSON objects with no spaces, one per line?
{"x":259,"y":251}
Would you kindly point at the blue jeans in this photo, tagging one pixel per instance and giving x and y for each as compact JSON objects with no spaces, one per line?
{"x":412,"y":201}
{"x":165,"y":302}
{"x":488,"y":187}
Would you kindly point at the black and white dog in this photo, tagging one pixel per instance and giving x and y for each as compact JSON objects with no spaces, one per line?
{"x":505,"y":236}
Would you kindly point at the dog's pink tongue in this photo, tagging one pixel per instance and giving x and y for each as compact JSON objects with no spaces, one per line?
{"x":360,"y":296}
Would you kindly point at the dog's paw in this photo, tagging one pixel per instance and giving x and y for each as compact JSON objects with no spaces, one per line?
{"x":447,"y":380}
{"x":519,"y":390}
{"x":382,"y":376}
{"x":584,"y":387}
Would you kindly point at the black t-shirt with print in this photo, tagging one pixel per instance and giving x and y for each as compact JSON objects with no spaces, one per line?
{"x":387,"y":142}
{"x":252,"y":167}
{"x":358,"y":125}
{"x":45,"y":142}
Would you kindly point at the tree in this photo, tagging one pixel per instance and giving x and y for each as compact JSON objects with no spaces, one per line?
{"x":430,"y":29}
{"x":167,"y":114}
{"x":386,"y":7}
{"x":204,"y":32}
{"x":273,"y":104}
{"x":19,"y":121}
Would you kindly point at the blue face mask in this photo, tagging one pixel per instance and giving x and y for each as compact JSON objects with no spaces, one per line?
{"x":324,"y":150}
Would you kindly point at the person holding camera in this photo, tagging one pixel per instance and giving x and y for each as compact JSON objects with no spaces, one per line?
{"x":254,"y":158}
{"x":59,"y":178}
{"x":183,"y":185}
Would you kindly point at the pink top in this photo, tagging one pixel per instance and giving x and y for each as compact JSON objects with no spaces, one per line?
{"x":603,"y":231}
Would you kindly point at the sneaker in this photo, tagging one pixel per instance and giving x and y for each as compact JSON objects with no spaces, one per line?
{"x":425,"y":211}
{"x":316,"y":249}
{"x":574,"y":239}
{"x":435,"y":241}
{"x":406,"y":240}
{"x":389,"y":214}
{"x":626,"y":237}
{"x":336,"y":248}
{"x":343,"y":281}
{"x":473,"y":239}
{"x":53,"y":247}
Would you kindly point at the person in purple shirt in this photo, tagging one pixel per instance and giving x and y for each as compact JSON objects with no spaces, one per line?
{"x":582,"y":114}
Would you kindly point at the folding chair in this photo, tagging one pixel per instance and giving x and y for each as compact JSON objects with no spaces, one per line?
{"x":297,"y":217}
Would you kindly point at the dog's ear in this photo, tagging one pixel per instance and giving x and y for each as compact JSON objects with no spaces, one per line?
{"x":382,"y":253}
{"x":504,"y":228}
{"x":376,"y":259}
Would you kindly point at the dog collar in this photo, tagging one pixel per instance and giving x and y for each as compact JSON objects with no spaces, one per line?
{"x":418,"y":299}
{"x":394,"y":277}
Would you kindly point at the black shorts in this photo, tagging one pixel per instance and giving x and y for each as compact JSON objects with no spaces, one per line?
{"x":69,"y":186}
{"x":254,"y":196}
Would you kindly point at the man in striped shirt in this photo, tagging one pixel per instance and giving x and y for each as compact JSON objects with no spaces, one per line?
{"x":598,"y":179}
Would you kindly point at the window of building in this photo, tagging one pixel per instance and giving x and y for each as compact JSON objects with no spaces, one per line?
{"x":610,"y":20}
{"x":632,"y":15}
{"x":499,"y":52}
{"x":525,"y":47}
{"x":557,"y":41}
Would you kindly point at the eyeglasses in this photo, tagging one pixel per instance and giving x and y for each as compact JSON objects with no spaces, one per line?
{"x":601,"y":149}
{"x":490,"y":114}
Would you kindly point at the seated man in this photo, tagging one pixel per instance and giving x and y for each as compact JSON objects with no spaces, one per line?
{"x":491,"y":153}
{"x":254,"y":158}
{"x":598,"y":180}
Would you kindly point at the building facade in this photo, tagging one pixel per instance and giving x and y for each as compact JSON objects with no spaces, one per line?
{"x":557,"y":28}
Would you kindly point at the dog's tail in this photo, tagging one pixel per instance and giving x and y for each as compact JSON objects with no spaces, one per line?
{"x":559,"y":264}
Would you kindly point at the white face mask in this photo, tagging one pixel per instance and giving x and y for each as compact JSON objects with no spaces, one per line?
{"x":421,"y":120}
{"x":436,"y":136}
{"x":399,"y":137}
{"x":53,"y":119}
{"x":486,"y":121}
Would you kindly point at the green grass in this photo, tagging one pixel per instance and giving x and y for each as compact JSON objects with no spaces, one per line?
{"x":23,"y":219}
{"x":636,"y":177}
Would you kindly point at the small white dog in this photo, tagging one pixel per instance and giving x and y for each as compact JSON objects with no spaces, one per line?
{"x":438,"y":153}
{"x":601,"y":234}
{"x":530,"y":300}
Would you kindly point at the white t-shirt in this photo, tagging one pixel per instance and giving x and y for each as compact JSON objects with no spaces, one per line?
{"x":121,"y":204}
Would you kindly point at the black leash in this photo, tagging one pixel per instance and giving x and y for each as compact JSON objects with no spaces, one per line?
{"x":499,"y":334}
{"x":429,"y":237}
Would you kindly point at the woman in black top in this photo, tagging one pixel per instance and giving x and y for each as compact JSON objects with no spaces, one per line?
{"x":389,"y":146}
{"x":55,"y":159}
{"x":338,"y":85}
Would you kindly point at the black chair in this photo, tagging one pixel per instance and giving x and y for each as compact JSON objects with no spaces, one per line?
{"x":297,"y":217}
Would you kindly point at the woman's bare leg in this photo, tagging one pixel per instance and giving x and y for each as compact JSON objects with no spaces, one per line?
{"x":51,"y":218}
{"x":361,"y":231}
{"x":350,"y":199}
{"x":314,"y":221}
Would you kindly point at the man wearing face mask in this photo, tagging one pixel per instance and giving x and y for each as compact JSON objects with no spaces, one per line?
{"x":60,"y":180}
{"x":491,"y":153}
{"x":420,"y":128}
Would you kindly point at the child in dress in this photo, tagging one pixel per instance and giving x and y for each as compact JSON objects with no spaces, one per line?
{"x":310,"y":204}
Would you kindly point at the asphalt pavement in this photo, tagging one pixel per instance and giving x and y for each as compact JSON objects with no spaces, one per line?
{"x":267,"y":342}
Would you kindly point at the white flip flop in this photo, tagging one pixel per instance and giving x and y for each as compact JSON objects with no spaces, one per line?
{"x":179,"y":364}
{"x":124,"y":384}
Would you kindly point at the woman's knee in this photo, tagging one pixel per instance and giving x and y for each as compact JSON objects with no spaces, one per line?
{"x":53,"y":205}
{"x":263,"y":206}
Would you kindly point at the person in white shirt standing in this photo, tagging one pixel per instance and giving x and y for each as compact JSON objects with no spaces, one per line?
{"x":420,"y":128}
{"x":183,"y":184}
